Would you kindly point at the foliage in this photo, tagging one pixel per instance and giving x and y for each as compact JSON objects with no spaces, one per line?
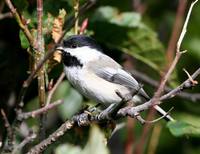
{"x":121,"y":30}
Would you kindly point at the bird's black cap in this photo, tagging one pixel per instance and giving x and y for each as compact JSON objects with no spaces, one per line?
{"x":80,"y":41}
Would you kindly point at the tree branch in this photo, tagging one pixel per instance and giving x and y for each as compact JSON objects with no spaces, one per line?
{"x":26,"y":115}
{"x":68,"y":24}
{"x":28,"y":139}
{"x":41,"y":74}
{"x":10,"y":141}
{"x":85,"y":118}
{"x":144,"y":78}
{"x":164,"y":79}
{"x":23,"y":26}
{"x":54,"y":88}
{"x":6,"y":15}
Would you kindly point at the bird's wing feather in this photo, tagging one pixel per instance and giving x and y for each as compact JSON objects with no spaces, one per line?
{"x":111,"y":71}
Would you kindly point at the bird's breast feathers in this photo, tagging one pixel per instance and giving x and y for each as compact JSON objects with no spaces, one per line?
{"x":94,"y":87}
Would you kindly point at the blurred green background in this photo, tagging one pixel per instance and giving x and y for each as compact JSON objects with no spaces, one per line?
{"x":136,"y":33}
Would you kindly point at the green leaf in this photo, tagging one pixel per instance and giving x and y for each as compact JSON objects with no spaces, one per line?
{"x":67,"y":148}
{"x":96,"y":143}
{"x":24,"y":40}
{"x":125,"y":31}
{"x":72,"y":100}
{"x":112,"y":15}
{"x":180,"y":128}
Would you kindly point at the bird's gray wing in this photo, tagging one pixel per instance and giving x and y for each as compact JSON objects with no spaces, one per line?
{"x":111,"y":71}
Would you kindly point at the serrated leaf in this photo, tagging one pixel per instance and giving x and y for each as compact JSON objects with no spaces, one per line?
{"x":180,"y":128}
{"x":23,"y":40}
{"x":96,"y":143}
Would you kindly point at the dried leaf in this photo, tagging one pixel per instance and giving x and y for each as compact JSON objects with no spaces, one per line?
{"x":58,"y":25}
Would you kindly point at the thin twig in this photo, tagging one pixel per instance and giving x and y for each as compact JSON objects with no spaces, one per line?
{"x":190,"y":78}
{"x":178,"y":55}
{"x":27,"y":140}
{"x":87,"y":118}
{"x":41,"y":74}
{"x":160,"y":89}
{"x":10,"y":137}
{"x":176,"y":30}
{"x":52,"y":138}
{"x":61,"y":77}
{"x":76,"y":10}
{"x":185,"y":85}
{"x":67,"y":25}
{"x":2,"y":4}
{"x":26,"y":115}
{"x":128,"y":149}
{"x":23,"y":27}
{"x":6,"y":15}
{"x":143,"y":121}
{"x":154,"y":140}
{"x":145,"y":78}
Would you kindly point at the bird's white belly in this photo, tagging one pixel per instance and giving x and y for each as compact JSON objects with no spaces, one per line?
{"x":94,"y":87}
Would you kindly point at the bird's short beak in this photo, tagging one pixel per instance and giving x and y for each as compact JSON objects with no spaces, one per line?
{"x":57,"y":56}
{"x":60,"y":49}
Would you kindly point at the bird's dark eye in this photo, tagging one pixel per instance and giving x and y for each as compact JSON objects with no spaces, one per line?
{"x":73,"y":46}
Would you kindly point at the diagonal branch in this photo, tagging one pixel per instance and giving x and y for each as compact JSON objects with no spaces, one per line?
{"x":23,"y":26}
{"x":87,"y":119}
{"x":26,"y":115}
{"x":145,"y":78}
{"x":176,"y":59}
{"x":61,"y":77}
{"x":68,"y":24}
{"x":9,"y":130}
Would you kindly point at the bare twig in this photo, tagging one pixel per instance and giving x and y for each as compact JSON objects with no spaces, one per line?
{"x":143,"y":121}
{"x":54,"y":88}
{"x":176,"y":30}
{"x":2,"y":4}
{"x":144,"y":78}
{"x":159,"y":91}
{"x":68,"y":24}
{"x":37,"y":112}
{"x":130,"y":137}
{"x":40,"y":53}
{"x":194,"y":82}
{"x":9,"y":130}
{"x":154,"y":138}
{"x":28,"y":139}
{"x":52,"y":138}
{"x":41,"y":74}
{"x":87,"y":118}
{"x":6,"y":15}
{"x":178,"y":55}
{"x":185,"y":85}
{"x":23,"y":27}
{"x":76,"y":10}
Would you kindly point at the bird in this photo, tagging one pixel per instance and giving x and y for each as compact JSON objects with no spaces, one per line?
{"x":97,"y":76}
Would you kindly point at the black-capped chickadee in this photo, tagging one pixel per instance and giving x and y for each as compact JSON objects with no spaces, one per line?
{"x":96,"y":75}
